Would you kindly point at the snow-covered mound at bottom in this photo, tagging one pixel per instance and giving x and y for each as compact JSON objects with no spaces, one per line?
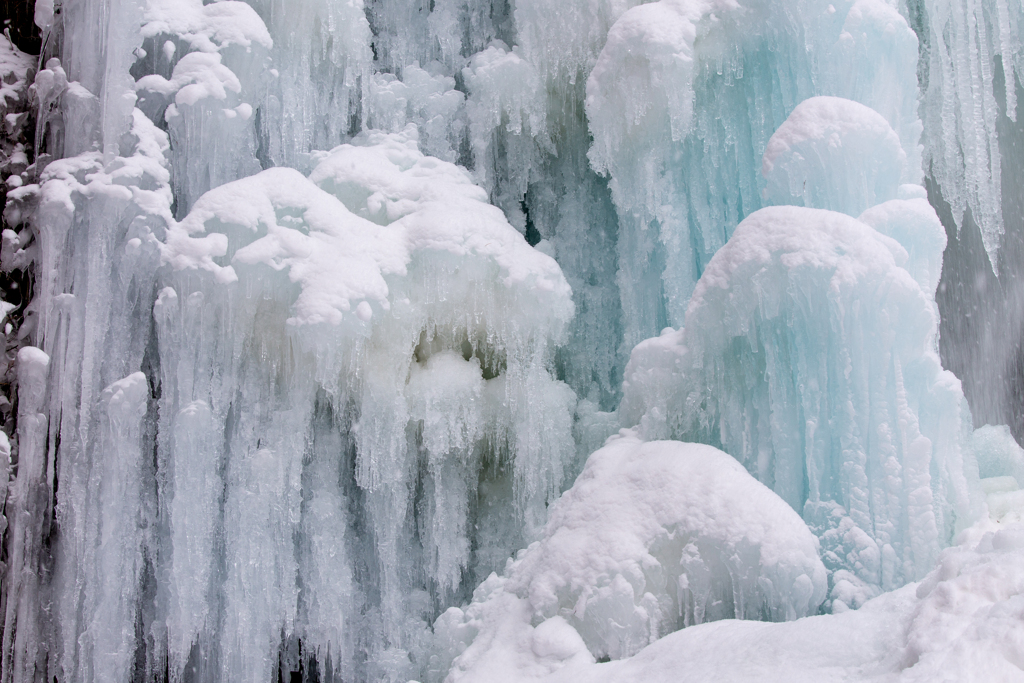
{"x":652,"y":537}
{"x":964,"y":622}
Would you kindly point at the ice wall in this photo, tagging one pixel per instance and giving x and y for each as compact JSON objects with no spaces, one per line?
{"x":385,"y":290}
{"x":331,"y":300}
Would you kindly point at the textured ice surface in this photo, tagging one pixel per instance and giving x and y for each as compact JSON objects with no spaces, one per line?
{"x":809,"y":356}
{"x":835,"y":154}
{"x":912,"y":222}
{"x":683,"y":101}
{"x":997,"y":453}
{"x":651,"y":537}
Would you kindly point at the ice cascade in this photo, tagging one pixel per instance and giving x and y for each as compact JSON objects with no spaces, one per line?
{"x":476,"y":339}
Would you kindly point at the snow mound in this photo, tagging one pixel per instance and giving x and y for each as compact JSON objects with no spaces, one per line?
{"x":962,"y":623}
{"x":651,"y":538}
{"x":969,"y":622}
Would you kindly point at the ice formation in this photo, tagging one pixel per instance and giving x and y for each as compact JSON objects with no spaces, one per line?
{"x":390,"y":301}
{"x":664,"y":101}
{"x":963,"y":43}
{"x":810,"y":355}
{"x":332,"y":352}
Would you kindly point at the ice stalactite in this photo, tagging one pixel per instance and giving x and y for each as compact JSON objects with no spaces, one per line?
{"x":317,"y":85}
{"x":528,"y":134}
{"x":83,"y":318}
{"x":961,"y":41}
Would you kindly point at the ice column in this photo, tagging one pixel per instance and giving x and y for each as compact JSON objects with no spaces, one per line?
{"x":809,"y":356}
{"x":28,"y":512}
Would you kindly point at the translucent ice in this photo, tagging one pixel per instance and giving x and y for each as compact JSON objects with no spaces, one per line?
{"x":997,"y":453}
{"x":809,"y":356}
{"x":912,"y":222}
{"x":669,"y":105}
{"x":833,"y":153}
{"x":962,"y":41}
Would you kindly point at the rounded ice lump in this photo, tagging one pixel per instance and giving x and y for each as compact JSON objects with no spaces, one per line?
{"x":809,"y":355}
{"x":833,"y":153}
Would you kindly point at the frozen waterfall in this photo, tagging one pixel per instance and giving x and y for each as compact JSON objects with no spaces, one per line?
{"x":511,"y":340}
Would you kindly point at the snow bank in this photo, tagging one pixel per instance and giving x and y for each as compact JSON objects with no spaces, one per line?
{"x":652,"y":537}
{"x":961,"y":623}
{"x":969,"y":621}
